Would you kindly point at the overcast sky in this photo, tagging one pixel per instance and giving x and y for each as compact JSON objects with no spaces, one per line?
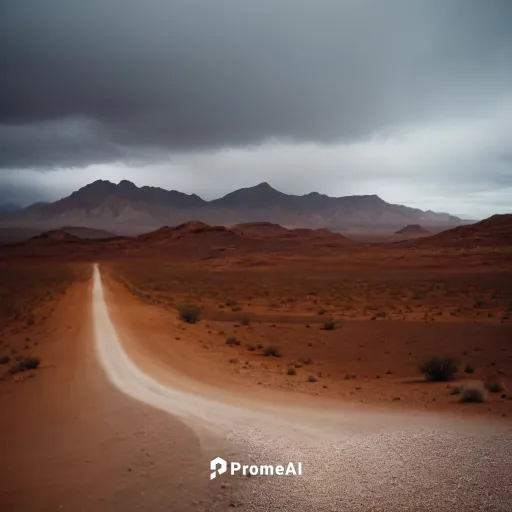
{"x":407,"y":99}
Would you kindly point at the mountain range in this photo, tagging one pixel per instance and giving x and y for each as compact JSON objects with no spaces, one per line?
{"x":128,"y":209}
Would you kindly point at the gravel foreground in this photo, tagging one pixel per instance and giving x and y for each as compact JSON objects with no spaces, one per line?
{"x":404,"y":470}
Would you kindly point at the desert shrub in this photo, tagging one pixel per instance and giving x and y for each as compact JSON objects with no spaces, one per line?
{"x":5,"y":359}
{"x":329,"y":325}
{"x":439,"y":368}
{"x":291,"y":371}
{"x":473,"y":392}
{"x":456,"y":390}
{"x":231,"y":302}
{"x":271,"y":351}
{"x":322,"y":311}
{"x":236,"y":309}
{"x":190,"y":314}
{"x":312,"y":378}
{"x":306,"y":360}
{"x":469,"y":369}
{"x":245,"y":320}
{"x":24,"y":364}
{"x":251,"y":348}
{"x":495,"y":385}
{"x":232,"y":341}
{"x":233,"y":361}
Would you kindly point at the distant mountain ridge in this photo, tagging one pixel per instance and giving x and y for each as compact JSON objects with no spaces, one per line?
{"x":126,"y":208}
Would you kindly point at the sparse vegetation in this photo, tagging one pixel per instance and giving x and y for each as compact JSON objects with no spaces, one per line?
{"x":456,"y":390}
{"x":232,"y":341}
{"x":189,"y":313}
{"x":291,"y":371}
{"x":329,"y":325}
{"x":312,"y":378}
{"x":439,"y":368}
{"x":391,"y":353}
{"x":24,"y":364}
{"x":473,"y":392}
{"x":5,"y":359}
{"x":495,"y":384}
{"x":272,"y":351}
{"x":469,"y":369}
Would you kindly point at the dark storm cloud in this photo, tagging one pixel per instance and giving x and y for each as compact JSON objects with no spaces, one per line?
{"x":96,"y":81}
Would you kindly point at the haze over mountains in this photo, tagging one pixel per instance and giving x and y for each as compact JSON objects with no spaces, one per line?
{"x":128,"y":209}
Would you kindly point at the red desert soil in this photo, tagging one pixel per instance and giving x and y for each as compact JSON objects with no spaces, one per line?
{"x":56,"y":453}
{"x":386,"y":322}
{"x":349,"y":322}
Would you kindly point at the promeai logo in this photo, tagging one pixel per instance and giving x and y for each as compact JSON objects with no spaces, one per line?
{"x":219,"y":463}
{"x":219,"y":466}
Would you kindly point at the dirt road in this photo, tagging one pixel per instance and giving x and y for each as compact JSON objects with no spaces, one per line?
{"x":72,"y":442}
{"x":354,"y":459}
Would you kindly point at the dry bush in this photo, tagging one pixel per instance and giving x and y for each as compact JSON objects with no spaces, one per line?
{"x":473,"y":392}
{"x":5,"y":359}
{"x":190,"y":314}
{"x":272,"y":351}
{"x":439,"y":368}
{"x":291,"y":371}
{"x":495,"y":384}
{"x":329,"y":325}
{"x":469,"y":368}
{"x":24,"y":364}
{"x":232,"y":341}
{"x":312,"y":378}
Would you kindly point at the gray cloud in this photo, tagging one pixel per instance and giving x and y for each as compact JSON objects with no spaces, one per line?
{"x":91,"y":82}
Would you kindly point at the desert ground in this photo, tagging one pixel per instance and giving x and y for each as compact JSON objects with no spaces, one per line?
{"x":159,"y":353}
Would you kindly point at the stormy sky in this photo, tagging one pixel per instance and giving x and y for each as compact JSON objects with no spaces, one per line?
{"x":407,"y":99}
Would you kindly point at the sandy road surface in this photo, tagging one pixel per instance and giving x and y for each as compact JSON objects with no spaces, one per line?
{"x":353,"y":459}
{"x":70,"y":441}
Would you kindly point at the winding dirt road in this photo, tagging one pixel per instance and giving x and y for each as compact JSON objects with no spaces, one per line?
{"x":354,"y":459}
